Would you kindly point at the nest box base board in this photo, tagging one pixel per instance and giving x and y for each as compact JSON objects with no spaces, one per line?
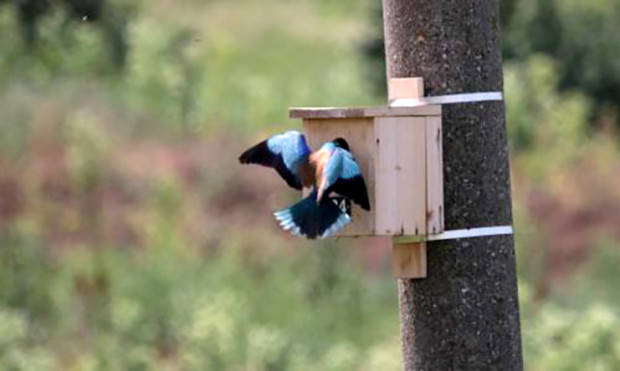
{"x":409,"y":260}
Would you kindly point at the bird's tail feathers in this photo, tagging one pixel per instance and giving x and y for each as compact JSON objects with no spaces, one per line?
{"x":310,"y":219}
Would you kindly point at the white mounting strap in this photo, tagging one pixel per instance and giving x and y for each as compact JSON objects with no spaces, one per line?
{"x":457,"y":233}
{"x":448,"y":99}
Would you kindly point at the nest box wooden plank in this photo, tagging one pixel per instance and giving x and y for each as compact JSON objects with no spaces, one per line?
{"x":399,"y":152}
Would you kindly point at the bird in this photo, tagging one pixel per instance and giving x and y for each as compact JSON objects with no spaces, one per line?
{"x":331,"y":172}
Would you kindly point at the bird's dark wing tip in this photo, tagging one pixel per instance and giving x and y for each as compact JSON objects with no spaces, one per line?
{"x":355,"y":189}
{"x":258,"y":154}
{"x":290,"y":179}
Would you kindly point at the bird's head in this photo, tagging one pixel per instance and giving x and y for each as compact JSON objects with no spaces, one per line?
{"x":340,"y":142}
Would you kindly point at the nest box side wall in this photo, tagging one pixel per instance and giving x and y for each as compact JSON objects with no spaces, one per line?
{"x":360,"y":134}
{"x":434,"y":176}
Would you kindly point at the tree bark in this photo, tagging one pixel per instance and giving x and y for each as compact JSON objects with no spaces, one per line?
{"x":465,"y":315}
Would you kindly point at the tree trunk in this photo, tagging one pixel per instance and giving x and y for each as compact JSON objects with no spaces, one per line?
{"x":465,"y":315}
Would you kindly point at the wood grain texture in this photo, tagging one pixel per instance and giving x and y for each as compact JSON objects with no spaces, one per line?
{"x":434,"y":176}
{"x":412,"y":175}
{"x":405,"y":88}
{"x":409,"y":260}
{"x":359,"y":133}
{"x":401,"y":176}
{"x":363,"y":112}
{"x":386,"y":183}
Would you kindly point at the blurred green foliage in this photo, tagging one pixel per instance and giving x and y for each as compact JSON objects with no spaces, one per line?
{"x":130,"y":238}
{"x":541,"y":118}
{"x":164,"y":308}
{"x":207,"y":64}
{"x":581,"y":36}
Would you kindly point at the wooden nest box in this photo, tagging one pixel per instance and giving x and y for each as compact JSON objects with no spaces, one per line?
{"x":399,"y":151}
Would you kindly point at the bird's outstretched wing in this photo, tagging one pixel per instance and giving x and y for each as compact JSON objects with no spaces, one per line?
{"x":341,"y":174}
{"x":283,"y":152}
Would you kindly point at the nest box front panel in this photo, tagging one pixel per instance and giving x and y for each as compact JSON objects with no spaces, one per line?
{"x":400,"y":164}
{"x":360,"y":134}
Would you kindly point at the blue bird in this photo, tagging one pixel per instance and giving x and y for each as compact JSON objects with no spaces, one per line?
{"x":330,"y":170}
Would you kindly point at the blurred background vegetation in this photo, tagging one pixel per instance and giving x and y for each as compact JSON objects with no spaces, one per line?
{"x":131,"y":239}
